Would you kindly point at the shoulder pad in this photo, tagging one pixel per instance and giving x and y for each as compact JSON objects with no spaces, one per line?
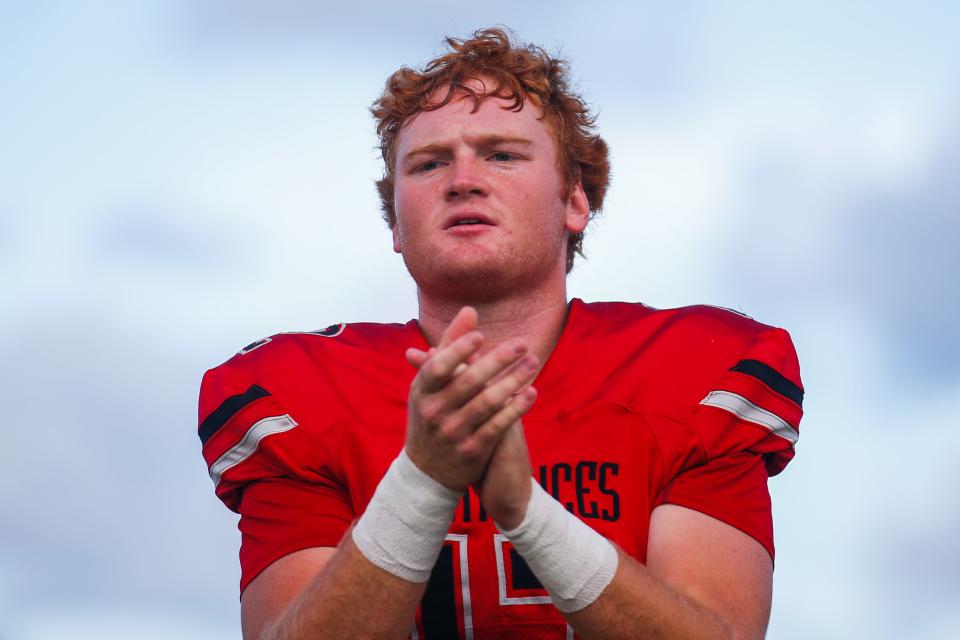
{"x":328,"y":332}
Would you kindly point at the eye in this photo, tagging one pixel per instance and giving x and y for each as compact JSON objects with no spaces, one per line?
{"x":503,"y":156}
{"x":429,"y":165}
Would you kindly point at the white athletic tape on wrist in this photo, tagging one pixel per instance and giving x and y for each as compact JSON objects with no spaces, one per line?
{"x":573,"y":562}
{"x":404,"y":525}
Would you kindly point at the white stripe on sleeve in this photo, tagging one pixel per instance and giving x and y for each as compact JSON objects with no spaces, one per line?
{"x":248,"y":444}
{"x":746,"y":410}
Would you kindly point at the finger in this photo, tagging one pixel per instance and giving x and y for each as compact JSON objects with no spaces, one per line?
{"x":463,"y":323}
{"x":497,"y":395}
{"x":490,"y":432}
{"x":438,"y":370}
{"x":478,"y":376}
{"x":416,"y":357}
{"x":460,"y":422}
{"x":463,"y":414}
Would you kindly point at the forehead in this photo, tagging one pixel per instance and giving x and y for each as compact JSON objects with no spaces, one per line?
{"x":457,"y":120}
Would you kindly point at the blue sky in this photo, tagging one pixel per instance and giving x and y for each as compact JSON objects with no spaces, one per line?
{"x":180,"y":178}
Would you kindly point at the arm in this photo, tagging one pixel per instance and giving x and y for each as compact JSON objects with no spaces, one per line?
{"x":698,"y":569}
{"x":326,"y":592}
{"x":454,"y":423}
{"x":703,"y":579}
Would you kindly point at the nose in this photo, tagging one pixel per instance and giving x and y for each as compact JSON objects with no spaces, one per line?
{"x":466,"y":180}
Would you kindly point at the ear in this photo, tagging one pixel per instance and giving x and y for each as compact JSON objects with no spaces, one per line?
{"x":578,"y":209}
{"x":396,"y":237}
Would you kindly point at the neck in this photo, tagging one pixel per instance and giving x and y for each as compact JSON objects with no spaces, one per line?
{"x":537,"y":317}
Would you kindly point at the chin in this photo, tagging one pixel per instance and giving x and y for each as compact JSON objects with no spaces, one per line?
{"x":474,"y":279}
{"x":468,"y":282}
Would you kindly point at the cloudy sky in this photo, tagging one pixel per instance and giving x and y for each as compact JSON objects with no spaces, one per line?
{"x":180,"y":177}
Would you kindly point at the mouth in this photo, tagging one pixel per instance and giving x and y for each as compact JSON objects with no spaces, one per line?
{"x":470,"y":219}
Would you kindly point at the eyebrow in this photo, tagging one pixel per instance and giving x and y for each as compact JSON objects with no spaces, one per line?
{"x":482,"y":141}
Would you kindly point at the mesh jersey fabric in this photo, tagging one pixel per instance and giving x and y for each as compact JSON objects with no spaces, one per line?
{"x":636,"y":407}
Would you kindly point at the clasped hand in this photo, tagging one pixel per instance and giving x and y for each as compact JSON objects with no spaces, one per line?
{"x":464,"y":410}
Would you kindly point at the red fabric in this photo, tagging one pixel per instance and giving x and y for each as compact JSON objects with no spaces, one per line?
{"x":281,"y":516}
{"x":617,"y":429}
{"x":732,"y":489}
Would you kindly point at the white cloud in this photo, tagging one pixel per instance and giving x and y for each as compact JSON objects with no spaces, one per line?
{"x":115,"y":623}
{"x":177,"y":193}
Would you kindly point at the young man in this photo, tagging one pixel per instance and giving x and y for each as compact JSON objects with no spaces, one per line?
{"x":508,"y":465}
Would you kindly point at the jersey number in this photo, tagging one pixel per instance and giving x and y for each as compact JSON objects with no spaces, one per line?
{"x":440,"y":614}
{"x":443,"y":615}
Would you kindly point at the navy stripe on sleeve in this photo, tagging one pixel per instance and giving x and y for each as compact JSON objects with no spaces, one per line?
{"x":229,"y":408}
{"x":770,"y":377}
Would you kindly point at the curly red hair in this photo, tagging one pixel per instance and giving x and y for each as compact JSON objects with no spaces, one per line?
{"x":518,"y":72}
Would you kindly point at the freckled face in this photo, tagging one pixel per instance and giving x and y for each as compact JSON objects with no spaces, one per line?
{"x":479,"y":200}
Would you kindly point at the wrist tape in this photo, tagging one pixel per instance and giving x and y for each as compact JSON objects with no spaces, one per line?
{"x":573,"y":562}
{"x":406,"y":521}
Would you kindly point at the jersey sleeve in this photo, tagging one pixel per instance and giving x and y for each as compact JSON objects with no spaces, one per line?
{"x":732,"y":489}
{"x":279,"y":516}
{"x":747,"y":425}
{"x":278,"y":474}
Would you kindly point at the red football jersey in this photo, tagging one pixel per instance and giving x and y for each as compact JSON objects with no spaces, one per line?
{"x":637,"y":407}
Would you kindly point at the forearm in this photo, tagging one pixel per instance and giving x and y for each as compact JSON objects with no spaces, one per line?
{"x":350,"y":597}
{"x":714,"y":584}
{"x":372,"y":583}
{"x":638,"y":604}
{"x":460,"y":405}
